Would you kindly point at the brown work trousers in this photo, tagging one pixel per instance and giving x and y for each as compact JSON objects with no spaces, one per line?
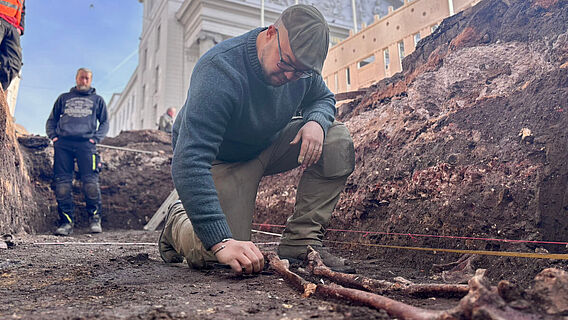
{"x":237,"y":183}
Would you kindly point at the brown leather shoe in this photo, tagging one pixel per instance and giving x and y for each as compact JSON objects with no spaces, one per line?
{"x":298,"y":254}
{"x":329,"y":259}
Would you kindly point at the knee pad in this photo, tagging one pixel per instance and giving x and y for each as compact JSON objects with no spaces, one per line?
{"x":62,"y":190}
{"x":91,"y":190}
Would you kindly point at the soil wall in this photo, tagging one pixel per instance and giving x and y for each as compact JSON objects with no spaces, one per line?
{"x":469,"y":140}
{"x":17,"y":207}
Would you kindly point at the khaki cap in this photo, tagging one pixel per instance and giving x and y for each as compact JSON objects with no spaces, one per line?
{"x":308,"y":34}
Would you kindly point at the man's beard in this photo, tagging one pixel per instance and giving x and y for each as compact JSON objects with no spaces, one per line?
{"x":83,"y":88}
{"x":269,"y":77}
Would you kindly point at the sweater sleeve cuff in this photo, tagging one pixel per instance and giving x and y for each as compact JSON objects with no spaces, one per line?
{"x":321,"y":119}
{"x":212,"y":233}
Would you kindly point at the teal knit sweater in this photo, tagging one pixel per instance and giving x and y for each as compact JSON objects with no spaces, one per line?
{"x":232,"y":114}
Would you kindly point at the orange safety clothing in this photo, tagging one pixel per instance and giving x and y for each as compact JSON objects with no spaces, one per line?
{"x":12,"y":8}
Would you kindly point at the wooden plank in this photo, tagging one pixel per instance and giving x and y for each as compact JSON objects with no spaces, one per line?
{"x":349,"y":95}
{"x":162,"y":212}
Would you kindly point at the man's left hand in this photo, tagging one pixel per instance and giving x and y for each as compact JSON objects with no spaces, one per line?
{"x":311,"y":135}
{"x":92,"y":141}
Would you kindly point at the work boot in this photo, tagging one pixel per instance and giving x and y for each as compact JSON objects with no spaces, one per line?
{"x":296,"y":254}
{"x":64,"y":229}
{"x":167,"y":252}
{"x":95,"y":225}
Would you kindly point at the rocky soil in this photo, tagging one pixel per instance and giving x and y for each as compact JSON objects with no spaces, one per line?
{"x":463,"y":149}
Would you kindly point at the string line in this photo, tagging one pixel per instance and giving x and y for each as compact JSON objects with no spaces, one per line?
{"x":532,"y":255}
{"x":411,"y":235}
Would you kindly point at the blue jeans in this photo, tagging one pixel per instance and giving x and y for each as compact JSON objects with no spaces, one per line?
{"x":88,"y":161}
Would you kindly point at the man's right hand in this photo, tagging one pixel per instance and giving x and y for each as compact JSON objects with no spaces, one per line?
{"x":55,"y":139}
{"x":242,"y":256}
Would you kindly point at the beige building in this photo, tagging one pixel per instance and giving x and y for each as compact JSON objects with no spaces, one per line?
{"x":376,"y":52}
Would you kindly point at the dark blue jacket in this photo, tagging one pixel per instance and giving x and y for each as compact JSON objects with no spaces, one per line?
{"x":75,"y":114}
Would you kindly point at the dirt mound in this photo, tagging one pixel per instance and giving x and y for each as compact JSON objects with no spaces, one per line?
{"x":469,"y":141}
{"x":134,"y":184}
{"x":135,"y":137}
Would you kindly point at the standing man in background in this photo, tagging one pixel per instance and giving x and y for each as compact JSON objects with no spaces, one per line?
{"x":72,"y":126}
{"x":12,"y":14}
{"x":167,"y":120}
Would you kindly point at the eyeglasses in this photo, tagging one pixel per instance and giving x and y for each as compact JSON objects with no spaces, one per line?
{"x":288,"y":67}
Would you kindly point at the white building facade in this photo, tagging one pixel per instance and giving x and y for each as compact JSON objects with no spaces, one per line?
{"x":156,"y":84}
{"x":176,"y":33}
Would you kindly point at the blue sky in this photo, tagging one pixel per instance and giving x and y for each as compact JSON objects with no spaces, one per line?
{"x":63,"y":35}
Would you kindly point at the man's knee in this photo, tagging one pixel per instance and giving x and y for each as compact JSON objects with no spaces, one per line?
{"x":338,"y":156}
{"x":92,"y":190}
{"x":7,"y":73}
{"x":10,"y":64}
{"x":62,"y":190}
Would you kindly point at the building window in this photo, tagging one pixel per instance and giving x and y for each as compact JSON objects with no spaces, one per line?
{"x":348,"y":76}
{"x":144,"y":58}
{"x":434,"y":27}
{"x":401,"y":52}
{"x":131,"y":101}
{"x":416,"y":38}
{"x":386,"y":58}
{"x":158,"y":37}
{"x":155,"y":115}
{"x":335,"y":82}
{"x":368,"y":60}
{"x":157,"y":79}
{"x":143,"y":102}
